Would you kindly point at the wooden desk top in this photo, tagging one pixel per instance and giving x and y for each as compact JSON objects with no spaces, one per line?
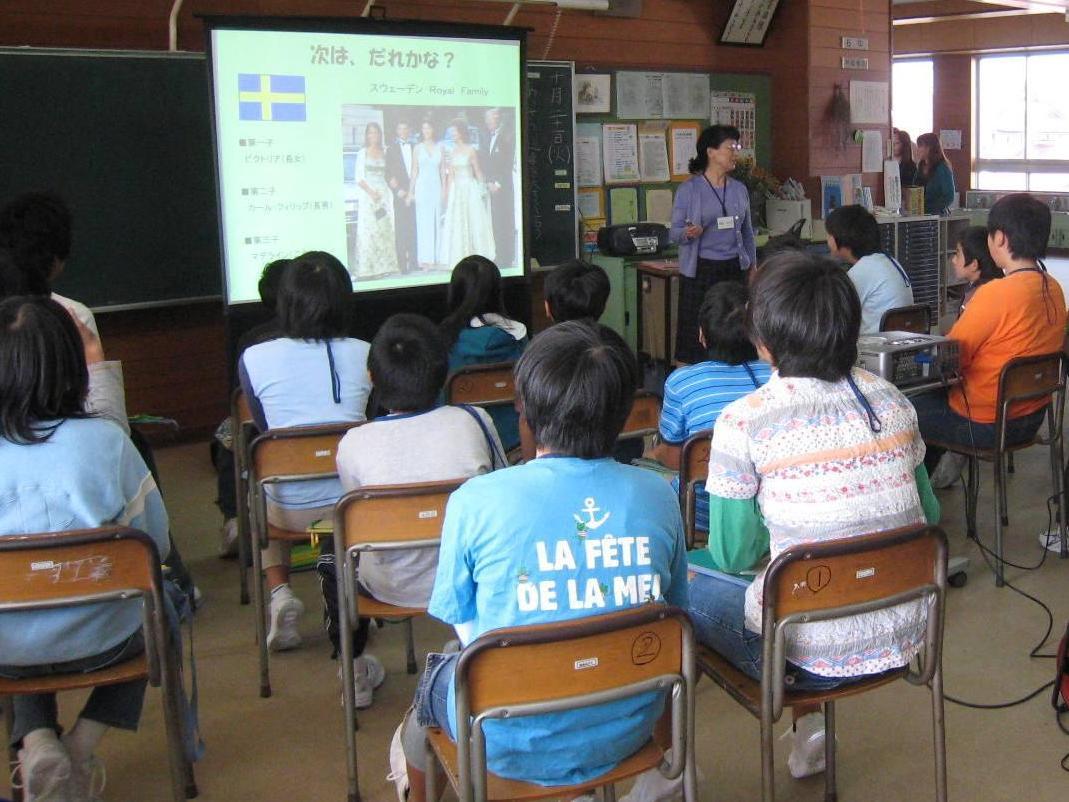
{"x":660,"y":267}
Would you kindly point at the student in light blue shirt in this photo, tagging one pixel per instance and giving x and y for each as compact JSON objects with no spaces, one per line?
{"x":312,"y":374}
{"x":62,"y":468}
{"x":570,"y":534}
{"x":694,"y":395}
{"x":881,"y":282}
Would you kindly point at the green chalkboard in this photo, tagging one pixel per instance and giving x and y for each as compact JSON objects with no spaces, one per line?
{"x":126,"y":139}
{"x":550,"y":149}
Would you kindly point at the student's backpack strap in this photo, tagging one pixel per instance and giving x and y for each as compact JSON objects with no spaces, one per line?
{"x":497,"y":459}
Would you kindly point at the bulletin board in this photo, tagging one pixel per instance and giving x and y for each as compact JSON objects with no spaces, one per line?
{"x":618,"y":190}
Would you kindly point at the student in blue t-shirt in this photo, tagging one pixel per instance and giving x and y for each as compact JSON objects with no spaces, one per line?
{"x":478,"y":332}
{"x":695,"y":395}
{"x":64,"y":468}
{"x":526,"y":545}
{"x":881,"y":282}
{"x":312,"y":374}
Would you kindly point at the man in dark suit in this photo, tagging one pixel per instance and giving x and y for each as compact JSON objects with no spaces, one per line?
{"x":398,"y":175}
{"x":498,"y":158}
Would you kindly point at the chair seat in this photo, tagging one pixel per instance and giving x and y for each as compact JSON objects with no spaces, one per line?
{"x":747,"y":691}
{"x":985,"y":454}
{"x":135,"y":668}
{"x":500,"y":788}
{"x":373,"y":608}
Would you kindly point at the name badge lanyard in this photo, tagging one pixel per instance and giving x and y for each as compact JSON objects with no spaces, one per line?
{"x":753,"y":377}
{"x":718,"y":196}
{"x":901,"y":270}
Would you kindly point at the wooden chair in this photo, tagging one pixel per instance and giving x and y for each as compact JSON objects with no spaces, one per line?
{"x":279,"y":456}
{"x":834,"y":579}
{"x":482,"y":385}
{"x":564,"y":666}
{"x":916,"y":319}
{"x":693,"y":468}
{"x":644,"y":418}
{"x":1022,"y":379}
{"x":54,"y":570}
{"x":244,"y":430}
{"x":372,"y":519}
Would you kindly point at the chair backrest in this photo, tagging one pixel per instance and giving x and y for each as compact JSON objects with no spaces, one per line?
{"x":916,"y":319}
{"x":693,"y":468}
{"x":387,"y":518}
{"x":644,"y":417}
{"x":239,"y":408}
{"x":1030,"y":377}
{"x":300,"y":452}
{"x":852,"y":576}
{"x":569,"y":665}
{"x":482,"y":385}
{"x":84,"y":566}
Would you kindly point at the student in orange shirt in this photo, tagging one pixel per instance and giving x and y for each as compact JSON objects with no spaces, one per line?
{"x":1022,"y":315}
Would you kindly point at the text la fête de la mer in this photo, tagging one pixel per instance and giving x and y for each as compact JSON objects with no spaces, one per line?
{"x":578,"y":594}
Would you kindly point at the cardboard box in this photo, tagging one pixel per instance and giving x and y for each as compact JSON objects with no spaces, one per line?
{"x":782,"y":214}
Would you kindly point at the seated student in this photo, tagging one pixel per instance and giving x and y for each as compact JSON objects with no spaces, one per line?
{"x":879,"y":279}
{"x":576,"y":290}
{"x":828,"y":451}
{"x":576,"y":383}
{"x":222,"y":444}
{"x":695,"y":395}
{"x":312,"y":374}
{"x":418,"y":441}
{"x":67,"y":466}
{"x":1021,"y":315}
{"x":972,"y":262}
{"x":478,"y":332}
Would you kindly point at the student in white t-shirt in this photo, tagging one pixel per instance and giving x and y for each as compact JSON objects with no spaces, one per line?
{"x":881,"y":282}
{"x":418,"y":441}
{"x":313,"y":374}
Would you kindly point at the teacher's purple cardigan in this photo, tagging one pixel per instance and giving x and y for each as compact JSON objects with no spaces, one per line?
{"x":688,"y":206}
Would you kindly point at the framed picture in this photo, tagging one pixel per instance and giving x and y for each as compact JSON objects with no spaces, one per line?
{"x":749,"y":22}
{"x":592,"y":94}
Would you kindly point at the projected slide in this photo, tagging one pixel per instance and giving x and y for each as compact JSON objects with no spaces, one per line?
{"x":397,"y":154}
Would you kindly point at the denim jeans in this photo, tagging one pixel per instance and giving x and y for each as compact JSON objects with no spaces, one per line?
{"x":937,"y":421}
{"x":717,"y":609}
{"x":432,"y":693}
{"x":116,"y":705}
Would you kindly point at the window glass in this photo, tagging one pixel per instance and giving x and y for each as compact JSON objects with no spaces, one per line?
{"x":1001,"y":108}
{"x":1048,"y":106}
{"x":911,"y":99}
{"x":990,"y":179}
{"x":1049,"y":182}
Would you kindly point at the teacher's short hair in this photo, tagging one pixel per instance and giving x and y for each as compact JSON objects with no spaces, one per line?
{"x":805,"y":311}
{"x":313,"y":298}
{"x":712,"y":137}
{"x":575,"y":386}
{"x":855,"y":228}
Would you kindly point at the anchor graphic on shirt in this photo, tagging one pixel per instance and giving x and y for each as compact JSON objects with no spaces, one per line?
{"x":593,"y":522}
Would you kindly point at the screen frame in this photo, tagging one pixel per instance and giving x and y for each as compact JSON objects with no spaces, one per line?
{"x":381,"y":27}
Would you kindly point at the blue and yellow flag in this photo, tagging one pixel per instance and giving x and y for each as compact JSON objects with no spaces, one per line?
{"x":275,"y":98}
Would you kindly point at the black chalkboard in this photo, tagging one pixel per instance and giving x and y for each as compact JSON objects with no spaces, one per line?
{"x":126,"y":139}
{"x":551,"y":162}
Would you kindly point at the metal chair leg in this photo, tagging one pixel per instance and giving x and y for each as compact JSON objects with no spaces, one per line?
{"x":172,"y":719}
{"x":831,"y":793}
{"x":939,"y":735}
{"x":410,"y":646}
{"x":768,"y":775}
{"x":999,"y":512}
{"x":972,"y":491}
{"x":1010,"y":467}
{"x":1057,"y":468}
{"x":260,"y":611}
{"x":242,"y":492}
{"x":348,"y":682}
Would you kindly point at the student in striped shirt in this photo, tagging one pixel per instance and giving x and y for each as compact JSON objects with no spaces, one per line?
{"x":695,"y":395}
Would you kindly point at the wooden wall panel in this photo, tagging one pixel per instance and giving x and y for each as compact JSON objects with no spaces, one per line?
{"x":1001,"y":33}
{"x":952,"y":103}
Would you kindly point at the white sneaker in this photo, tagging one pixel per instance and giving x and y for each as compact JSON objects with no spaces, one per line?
{"x":45,"y":771}
{"x":807,"y":754}
{"x":1051,"y":540}
{"x":368,"y":674}
{"x":948,"y":471}
{"x":398,"y":765}
{"x":88,"y":778}
{"x":228,"y":538}
{"x":286,"y":612}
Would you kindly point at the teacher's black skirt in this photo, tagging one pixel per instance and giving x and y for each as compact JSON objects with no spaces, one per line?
{"x":691,"y":294}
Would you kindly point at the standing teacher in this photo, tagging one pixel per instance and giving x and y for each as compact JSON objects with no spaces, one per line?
{"x":711,"y":224}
